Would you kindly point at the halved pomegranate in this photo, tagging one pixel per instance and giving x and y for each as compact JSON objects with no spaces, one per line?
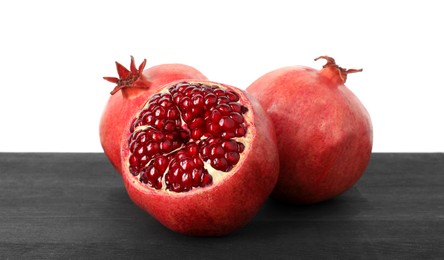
{"x":200,"y":157}
{"x":133,"y":87}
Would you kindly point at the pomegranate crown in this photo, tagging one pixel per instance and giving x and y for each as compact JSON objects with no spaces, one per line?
{"x":332,"y":70}
{"x":129,"y":78}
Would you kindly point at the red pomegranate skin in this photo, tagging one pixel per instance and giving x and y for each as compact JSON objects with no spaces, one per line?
{"x":324,"y":132}
{"x":225,"y":206}
{"x":122,"y":104}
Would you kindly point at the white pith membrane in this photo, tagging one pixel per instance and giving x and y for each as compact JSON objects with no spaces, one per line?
{"x":217,"y":175}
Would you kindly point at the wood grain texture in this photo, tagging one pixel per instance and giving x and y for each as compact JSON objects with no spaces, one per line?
{"x":60,"y":206}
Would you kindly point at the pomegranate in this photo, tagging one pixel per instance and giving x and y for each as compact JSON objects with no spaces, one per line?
{"x":132,"y":89}
{"x":200,"y":157}
{"x":324,"y":132}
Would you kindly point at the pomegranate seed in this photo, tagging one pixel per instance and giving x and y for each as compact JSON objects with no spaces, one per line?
{"x":210,"y":100}
{"x":223,"y":100}
{"x":196,"y":176}
{"x":230,"y":146}
{"x":224,"y":109}
{"x":232,"y":157}
{"x":153,"y":148}
{"x":187,"y":116}
{"x":187,"y":164}
{"x":212,"y":140}
{"x":192,"y":149}
{"x":216,"y":115}
{"x":148,"y":119}
{"x":219,"y":92}
{"x":207,"y":114}
{"x":132,"y":127}
{"x":165,"y":102}
{"x":227,"y":123}
{"x":205,"y":152}
{"x":186,"y":182}
{"x":169,"y":136}
{"x":213,"y":129}
{"x":216,"y":151}
{"x":196,"y":133}
{"x":140,"y":151}
{"x":173,"y":114}
{"x":139,"y":136}
{"x":240,"y":131}
{"x":196,"y":91}
{"x":232,"y":96}
{"x":153,"y":173}
{"x":188,"y":90}
{"x":150,"y":131}
{"x":159,"y":123}
{"x":160,"y":112}
{"x":186,"y":104}
{"x":184,"y":136}
{"x":198,"y":162}
{"x":235,"y":107}
{"x":158,"y":136}
{"x":244,"y":109}
{"x":132,"y":146}
{"x":228,"y":135}
{"x":175,"y":173}
{"x":238,"y":118}
{"x":143,"y":178}
{"x":150,"y":175}
{"x":198,"y":100}
{"x":170,"y":126}
{"x":152,"y":107}
{"x":134,"y":170}
{"x":219,"y":164}
{"x":197,"y":122}
{"x":178,"y":98}
{"x":206,"y":179}
{"x":181,"y":155}
{"x":166,"y":146}
{"x":197,"y":111}
{"x":133,"y":160}
{"x":158,"y":183}
{"x":155,"y":97}
{"x":181,"y":86}
{"x":144,"y":160}
{"x":161,"y":163}
{"x":240,"y":147}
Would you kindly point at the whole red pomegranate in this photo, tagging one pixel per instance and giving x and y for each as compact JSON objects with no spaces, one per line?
{"x":200,"y":157}
{"x":132,"y":89}
{"x":324,"y":132}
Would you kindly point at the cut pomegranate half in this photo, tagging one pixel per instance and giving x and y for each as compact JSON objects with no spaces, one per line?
{"x":200,"y":157}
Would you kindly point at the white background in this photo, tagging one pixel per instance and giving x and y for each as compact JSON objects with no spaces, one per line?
{"x":53,"y":55}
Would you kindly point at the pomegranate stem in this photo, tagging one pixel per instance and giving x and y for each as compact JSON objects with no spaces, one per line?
{"x":333,"y":71}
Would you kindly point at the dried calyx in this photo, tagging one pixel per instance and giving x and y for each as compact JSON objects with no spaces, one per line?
{"x":129,"y":78}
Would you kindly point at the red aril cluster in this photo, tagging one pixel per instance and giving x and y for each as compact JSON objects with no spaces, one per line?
{"x":181,"y":129}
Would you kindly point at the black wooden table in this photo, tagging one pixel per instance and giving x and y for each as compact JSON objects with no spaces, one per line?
{"x":74,"y":206}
